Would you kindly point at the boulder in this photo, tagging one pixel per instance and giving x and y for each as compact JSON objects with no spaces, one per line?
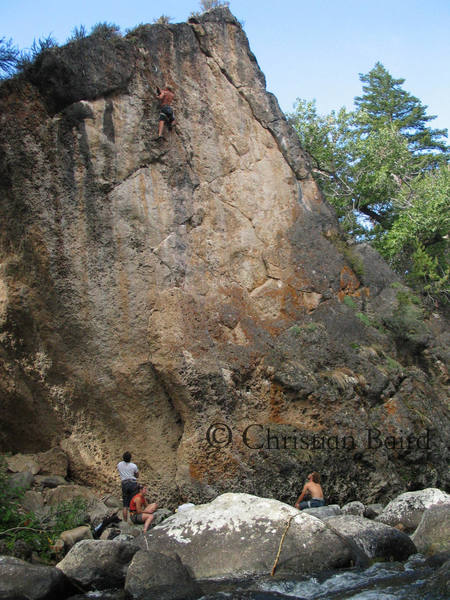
{"x":321,"y":512}
{"x":433,"y":533}
{"x":112,"y":501}
{"x":20,"y":580}
{"x":354,"y":508}
{"x":439,"y":583}
{"x":50,"y":481}
{"x":375,"y":539}
{"x":373,"y":510}
{"x":154,"y":575}
{"x":409,"y":507}
{"x":33,"y":501}
{"x":72,"y":536}
{"x":53,"y":462}
{"x":98,"y":564}
{"x":22,"y":462}
{"x":21,"y":480}
{"x":160,"y":515}
{"x":66,"y":493}
{"x":97,"y":512}
{"x":239,"y":534}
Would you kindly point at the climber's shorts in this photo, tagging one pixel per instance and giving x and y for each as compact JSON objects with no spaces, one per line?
{"x":166,"y":114}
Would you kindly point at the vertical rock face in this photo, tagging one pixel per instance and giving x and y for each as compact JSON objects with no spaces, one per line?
{"x":150,"y":289}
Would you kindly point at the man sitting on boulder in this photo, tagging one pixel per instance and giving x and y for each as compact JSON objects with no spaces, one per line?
{"x":140,"y":510}
{"x":166,"y":116}
{"x":314,"y":489}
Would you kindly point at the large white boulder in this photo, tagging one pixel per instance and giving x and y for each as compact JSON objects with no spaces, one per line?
{"x":408,"y":508}
{"x":239,"y":534}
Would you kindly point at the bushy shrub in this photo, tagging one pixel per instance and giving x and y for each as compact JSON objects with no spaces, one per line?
{"x":36,"y":532}
{"x":106,"y":31}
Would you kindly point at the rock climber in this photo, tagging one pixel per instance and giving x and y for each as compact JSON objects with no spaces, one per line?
{"x":314,"y":489}
{"x":166,"y":116}
{"x":140,"y":510}
{"x":129,"y":473}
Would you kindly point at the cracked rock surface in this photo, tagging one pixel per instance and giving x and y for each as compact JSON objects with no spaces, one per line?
{"x":149,"y":289}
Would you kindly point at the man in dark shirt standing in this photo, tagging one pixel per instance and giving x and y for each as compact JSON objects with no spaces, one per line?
{"x":166,"y":116}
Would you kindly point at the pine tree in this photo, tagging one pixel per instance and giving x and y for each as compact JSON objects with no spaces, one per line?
{"x":384,"y":102}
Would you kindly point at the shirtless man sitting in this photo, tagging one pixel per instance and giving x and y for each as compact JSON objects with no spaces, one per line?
{"x":166,"y":98}
{"x":314,"y":489}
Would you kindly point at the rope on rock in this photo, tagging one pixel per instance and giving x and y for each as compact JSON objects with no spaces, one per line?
{"x":272,"y":573}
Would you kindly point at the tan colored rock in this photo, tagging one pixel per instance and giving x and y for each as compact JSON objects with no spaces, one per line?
{"x":72,"y":536}
{"x":156,"y":288}
{"x":66,"y":493}
{"x":18,"y":463}
{"x":53,"y":462}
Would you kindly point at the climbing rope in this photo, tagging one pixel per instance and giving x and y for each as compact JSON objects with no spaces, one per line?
{"x":272,"y":573}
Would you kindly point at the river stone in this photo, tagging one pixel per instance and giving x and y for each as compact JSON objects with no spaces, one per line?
{"x":433,"y":533}
{"x":98,"y":564}
{"x":22,"y":462}
{"x":20,"y":580}
{"x":154,"y":575}
{"x":408,"y":508}
{"x":375,"y":539}
{"x":321,"y":512}
{"x":439,"y":583}
{"x":353,"y":508}
{"x":238,"y":535}
{"x":373,"y":510}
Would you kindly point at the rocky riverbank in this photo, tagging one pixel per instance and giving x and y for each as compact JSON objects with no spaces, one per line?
{"x":235,"y":536}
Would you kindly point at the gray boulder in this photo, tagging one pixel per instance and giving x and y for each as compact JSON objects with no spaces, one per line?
{"x":154,"y":575}
{"x":332,"y":510}
{"x":98,"y":564}
{"x":375,"y":539}
{"x":354,"y":508}
{"x":439,"y":583}
{"x":21,"y":480}
{"x":33,"y":501}
{"x":433,"y":533}
{"x":50,"y":481}
{"x":408,"y":508}
{"x":21,"y":580}
{"x":373,"y":510}
{"x":239,"y":534}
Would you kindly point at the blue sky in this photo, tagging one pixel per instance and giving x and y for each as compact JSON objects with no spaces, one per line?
{"x":306,"y":48}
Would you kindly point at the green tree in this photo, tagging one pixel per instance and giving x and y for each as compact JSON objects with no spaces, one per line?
{"x":9,"y":55}
{"x":418,"y":242}
{"x":385,"y":102}
{"x":385,"y":171}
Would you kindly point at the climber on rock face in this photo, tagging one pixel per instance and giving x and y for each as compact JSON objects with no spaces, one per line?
{"x":166,"y":116}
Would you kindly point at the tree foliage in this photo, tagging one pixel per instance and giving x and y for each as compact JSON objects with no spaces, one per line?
{"x":9,"y":55}
{"x":386,"y":172}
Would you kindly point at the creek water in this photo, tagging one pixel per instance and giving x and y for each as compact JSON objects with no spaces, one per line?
{"x":413,"y":580}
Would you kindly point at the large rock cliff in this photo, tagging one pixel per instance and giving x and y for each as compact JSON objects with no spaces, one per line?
{"x":151,"y":289}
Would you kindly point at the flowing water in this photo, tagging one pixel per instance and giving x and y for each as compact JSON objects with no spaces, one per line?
{"x":413,"y":580}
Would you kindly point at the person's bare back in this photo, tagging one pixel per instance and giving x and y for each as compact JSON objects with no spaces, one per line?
{"x":166,"y":97}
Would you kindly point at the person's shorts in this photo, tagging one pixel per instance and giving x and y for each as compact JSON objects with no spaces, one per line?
{"x":137,"y":519}
{"x":314,"y":503}
{"x":129,"y":489}
{"x":166,"y":114}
